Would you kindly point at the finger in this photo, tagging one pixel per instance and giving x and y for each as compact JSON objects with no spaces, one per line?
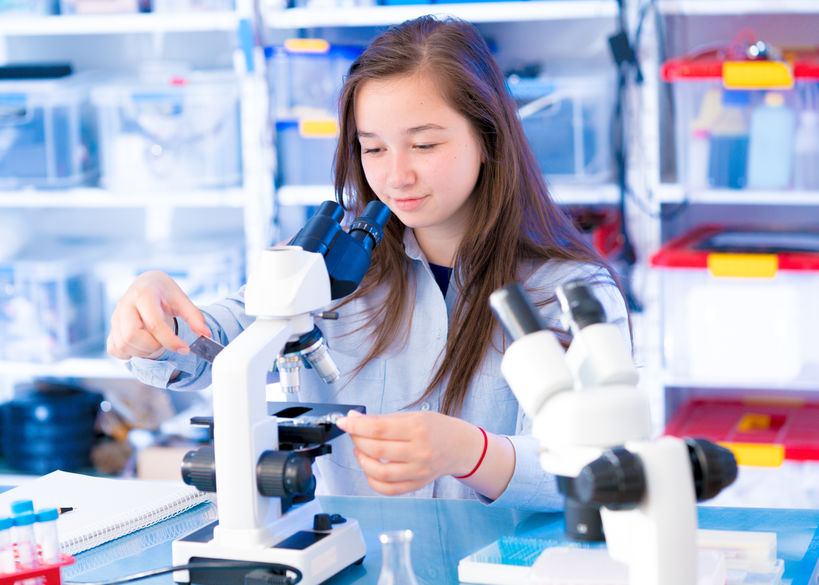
{"x":396,"y":451}
{"x":376,"y":426}
{"x":114,"y":347}
{"x":155,"y":322}
{"x":192,"y":316}
{"x":386,"y":471}
{"x":140,"y":344}
{"x":395,"y":488}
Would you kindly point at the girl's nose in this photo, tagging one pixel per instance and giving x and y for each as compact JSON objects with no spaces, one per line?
{"x":401,"y":173}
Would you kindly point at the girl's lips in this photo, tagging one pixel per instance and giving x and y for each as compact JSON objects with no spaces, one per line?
{"x":409,"y":204}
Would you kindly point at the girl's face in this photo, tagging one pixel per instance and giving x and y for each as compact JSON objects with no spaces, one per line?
{"x":420,"y":156}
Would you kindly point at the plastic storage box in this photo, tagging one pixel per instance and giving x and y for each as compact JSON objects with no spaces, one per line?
{"x":47,"y":133}
{"x":304,"y":151}
{"x":746,"y":124}
{"x":739,"y":308}
{"x":101,"y":6}
{"x":568,"y":123}
{"x":26,"y":6}
{"x":192,"y":5}
{"x":207,"y":270}
{"x":759,"y":432}
{"x":180,"y":132}
{"x":50,"y":304}
{"x":306,"y":76}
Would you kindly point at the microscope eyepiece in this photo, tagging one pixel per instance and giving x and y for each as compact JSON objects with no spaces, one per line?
{"x":370,"y":223}
{"x":714,"y":467}
{"x":321,"y":229}
{"x":579,"y":304}
{"x":515,"y":311}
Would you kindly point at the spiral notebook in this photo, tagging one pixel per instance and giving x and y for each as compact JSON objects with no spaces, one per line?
{"x":102,"y":509}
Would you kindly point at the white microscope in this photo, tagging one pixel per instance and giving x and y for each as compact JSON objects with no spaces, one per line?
{"x":266,"y":509}
{"x":593,"y":425}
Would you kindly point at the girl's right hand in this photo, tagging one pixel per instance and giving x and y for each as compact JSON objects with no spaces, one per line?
{"x":142,"y":323}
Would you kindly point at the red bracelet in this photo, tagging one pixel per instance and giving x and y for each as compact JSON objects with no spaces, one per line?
{"x":483,"y":454}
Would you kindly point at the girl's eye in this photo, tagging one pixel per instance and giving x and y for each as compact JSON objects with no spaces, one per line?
{"x":370,"y":150}
{"x":425,"y":146}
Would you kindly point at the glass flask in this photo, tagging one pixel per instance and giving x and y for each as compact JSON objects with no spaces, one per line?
{"x":396,"y":566}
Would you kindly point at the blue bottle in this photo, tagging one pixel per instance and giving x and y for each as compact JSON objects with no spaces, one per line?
{"x":728,"y":155}
{"x":770,"y":144}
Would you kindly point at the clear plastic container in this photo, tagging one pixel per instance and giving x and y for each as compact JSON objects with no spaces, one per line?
{"x":568,"y":123}
{"x":180,"y":132}
{"x":26,"y":7}
{"x":50,"y":304}
{"x":306,"y":76}
{"x":806,"y":151}
{"x":737,"y":307}
{"x":726,"y":101}
{"x":207,"y":270}
{"x":162,"y":6}
{"x":47,"y":133}
{"x":99,"y":6}
{"x":304,"y":151}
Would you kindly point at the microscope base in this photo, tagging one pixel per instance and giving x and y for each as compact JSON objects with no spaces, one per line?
{"x":318,"y":555}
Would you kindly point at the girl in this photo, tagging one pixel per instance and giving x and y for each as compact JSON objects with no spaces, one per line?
{"x":428,"y":128}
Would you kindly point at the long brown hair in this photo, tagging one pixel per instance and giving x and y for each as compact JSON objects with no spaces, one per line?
{"x":514,"y":218}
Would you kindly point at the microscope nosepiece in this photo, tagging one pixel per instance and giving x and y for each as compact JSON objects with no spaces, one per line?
{"x":312,"y":349}
{"x":320,"y":360}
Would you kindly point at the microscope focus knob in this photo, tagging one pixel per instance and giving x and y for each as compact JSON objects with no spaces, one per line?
{"x":284,"y":473}
{"x":714,"y":467}
{"x":615,"y":480}
{"x":198,"y":469}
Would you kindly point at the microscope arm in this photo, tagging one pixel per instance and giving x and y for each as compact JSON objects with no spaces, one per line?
{"x":243,"y":430}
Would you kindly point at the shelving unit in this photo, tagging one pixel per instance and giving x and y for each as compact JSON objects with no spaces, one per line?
{"x":479,"y":12}
{"x":94,"y":197}
{"x":115,"y":24}
{"x":691,"y":26}
{"x":92,"y":366}
{"x":737,"y":7}
{"x":674,"y":193}
{"x":123,"y":41}
{"x":504,"y":18}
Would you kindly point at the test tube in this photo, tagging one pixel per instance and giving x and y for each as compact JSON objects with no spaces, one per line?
{"x":7,"y":565}
{"x":46,"y":531}
{"x":24,"y":537}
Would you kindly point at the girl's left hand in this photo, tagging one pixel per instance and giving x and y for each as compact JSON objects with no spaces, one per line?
{"x":405,"y":451}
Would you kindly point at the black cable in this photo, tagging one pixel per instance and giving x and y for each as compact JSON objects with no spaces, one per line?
{"x":201,"y":565}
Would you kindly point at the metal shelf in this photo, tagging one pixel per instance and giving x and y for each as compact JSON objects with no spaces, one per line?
{"x":738,"y":7}
{"x":114,"y":24}
{"x":76,"y":367}
{"x":101,"y":198}
{"x":673,"y":193}
{"x":565,"y":194}
{"x":569,"y":194}
{"x":671,"y":381}
{"x":478,"y":12}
